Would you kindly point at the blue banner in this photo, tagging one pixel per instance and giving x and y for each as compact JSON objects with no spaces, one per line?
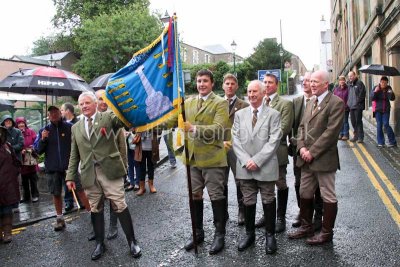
{"x":149,"y":89}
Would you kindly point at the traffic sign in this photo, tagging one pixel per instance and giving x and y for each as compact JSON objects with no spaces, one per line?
{"x":276,"y":72}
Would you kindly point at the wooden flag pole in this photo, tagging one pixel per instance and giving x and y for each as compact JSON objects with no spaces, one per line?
{"x":187,"y":163}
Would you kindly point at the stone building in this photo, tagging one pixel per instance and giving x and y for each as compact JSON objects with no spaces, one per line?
{"x":193,"y":55}
{"x":367,"y":32}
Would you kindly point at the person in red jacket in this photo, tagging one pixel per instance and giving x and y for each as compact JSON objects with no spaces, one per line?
{"x":28,"y":172}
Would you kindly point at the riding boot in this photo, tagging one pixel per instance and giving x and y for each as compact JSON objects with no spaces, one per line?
{"x":7,"y":227}
{"x":198,"y":224}
{"x":241,"y":215}
{"x":250,"y":218}
{"x":318,"y":206}
{"x":226,"y":197}
{"x":92,"y":235}
{"x":98,"y":228}
{"x":297,"y":221}
{"x":260,"y":222}
{"x":306,"y":214}
{"x":328,"y":222}
{"x":281,"y":211}
{"x":219,"y":212}
{"x":142,"y":188}
{"x":270,"y":219}
{"x":113,"y":228}
{"x":151,"y":186}
{"x":125,"y":220}
{"x":1,"y":228}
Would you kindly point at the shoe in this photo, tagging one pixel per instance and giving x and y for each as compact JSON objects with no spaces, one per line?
{"x":173,"y":165}
{"x":35,"y":199}
{"x":345,"y":138}
{"x":69,"y":207}
{"x":380,"y":146}
{"x":136,"y":188}
{"x":16,"y":210}
{"x":354,"y":139}
{"x":126,"y":184}
{"x":360,"y":141}
{"x":392,"y":145}
{"x":340,"y":137}
{"x":59,"y":225}
{"x":129,"y":188}
{"x":24,"y":200}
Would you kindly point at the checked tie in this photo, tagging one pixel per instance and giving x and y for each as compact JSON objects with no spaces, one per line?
{"x":200,"y":104}
{"x":315,"y":106}
{"x":254,"y":121}
{"x":90,"y":125}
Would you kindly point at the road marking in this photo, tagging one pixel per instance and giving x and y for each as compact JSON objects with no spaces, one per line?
{"x":17,"y":230}
{"x":381,"y":175}
{"x":381,"y":192}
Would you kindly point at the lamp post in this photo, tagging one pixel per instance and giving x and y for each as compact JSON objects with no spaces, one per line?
{"x":281,"y":56}
{"x":52,"y":62}
{"x":165,"y":19}
{"x":233,"y":46}
{"x":116,"y":61}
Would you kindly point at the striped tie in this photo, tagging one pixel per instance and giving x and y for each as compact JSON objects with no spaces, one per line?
{"x":90,"y":125}
{"x":254,"y":121}
{"x":315,"y":106}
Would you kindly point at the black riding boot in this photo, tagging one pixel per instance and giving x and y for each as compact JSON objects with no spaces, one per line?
{"x":113,"y":228}
{"x":125,"y":220}
{"x":270,"y":217}
{"x":318,"y":210}
{"x":98,"y":228}
{"x":198,"y":222}
{"x":219,"y":211}
{"x":281,"y":212}
{"x":250,"y":218}
{"x":226,"y":197}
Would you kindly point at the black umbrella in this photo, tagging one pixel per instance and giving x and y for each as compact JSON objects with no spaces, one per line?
{"x":6,"y":105}
{"x":382,"y":70}
{"x":101,"y":81}
{"x":45,"y":81}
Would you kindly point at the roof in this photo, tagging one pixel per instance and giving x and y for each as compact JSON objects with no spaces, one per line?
{"x":56,"y":56}
{"x":29,"y":59}
{"x":216,"y":49}
{"x":21,"y":97}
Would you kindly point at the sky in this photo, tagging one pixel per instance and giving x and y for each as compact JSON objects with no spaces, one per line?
{"x":200,"y":23}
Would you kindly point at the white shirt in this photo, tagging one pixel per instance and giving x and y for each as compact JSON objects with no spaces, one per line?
{"x":231,"y":100}
{"x":87,"y":124}
{"x":321,"y":97}
{"x":260,"y":109}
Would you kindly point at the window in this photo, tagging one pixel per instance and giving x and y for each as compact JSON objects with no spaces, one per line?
{"x":206,"y":58}
{"x":195,"y":57}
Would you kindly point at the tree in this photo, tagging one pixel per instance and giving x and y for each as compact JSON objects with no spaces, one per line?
{"x":107,"y":42}
{"x":70,"y":14}
{"x":266,"y":56}
{"x":53,"y":44}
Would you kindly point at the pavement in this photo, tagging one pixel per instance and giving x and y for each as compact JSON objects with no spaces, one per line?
{"x":31,"y":213}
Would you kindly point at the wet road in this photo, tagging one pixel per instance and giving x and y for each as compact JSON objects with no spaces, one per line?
{"x":366,"y":232}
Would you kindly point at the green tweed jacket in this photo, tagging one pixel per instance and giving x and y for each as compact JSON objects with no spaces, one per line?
{"x":100,"y":148}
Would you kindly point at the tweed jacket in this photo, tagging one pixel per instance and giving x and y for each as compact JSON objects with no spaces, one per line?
{"x":285,"y":108}
{"x":259,"y":144}
{"x":238,"y":105}
{"x":101,"y":148}
{"x":318,"y":132}
{"x":206,"y":144}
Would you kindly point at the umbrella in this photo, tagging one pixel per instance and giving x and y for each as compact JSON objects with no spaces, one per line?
{"x":5,"y":105}
{"x":383,"y":70}
{"x":44,"y":81}
{"x":101,"y":81}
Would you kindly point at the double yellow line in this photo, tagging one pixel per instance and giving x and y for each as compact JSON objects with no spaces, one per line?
{"x":374,"y":180}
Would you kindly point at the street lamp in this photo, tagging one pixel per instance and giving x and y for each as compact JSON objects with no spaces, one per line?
{"x":233,"y":46}
{"x":165,"y":19}
{"x":52,"y":62}
{"x":281,"y":56}
{"x":116,"y":61}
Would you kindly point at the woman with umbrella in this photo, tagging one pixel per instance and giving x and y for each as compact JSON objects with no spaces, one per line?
{"x":381,"y":94}
{"x":9,"y":186}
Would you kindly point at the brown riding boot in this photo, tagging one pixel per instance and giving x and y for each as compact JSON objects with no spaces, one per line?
{"x":306,"y":214}
{"x":7,"y":227}
{"x":328,"y":222}
{"x":142,"y":188}
{"x":151,"y":186}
